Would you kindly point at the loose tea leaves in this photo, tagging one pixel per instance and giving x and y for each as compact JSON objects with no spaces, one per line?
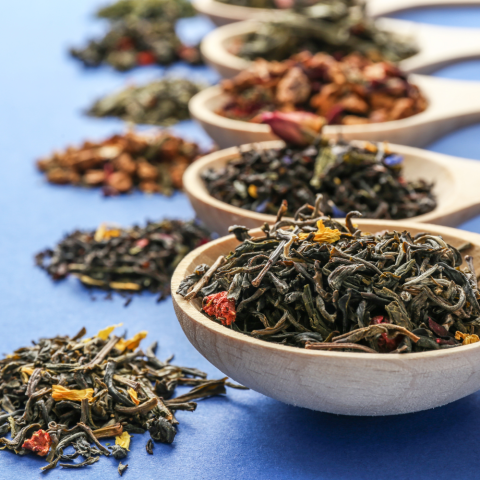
{"x":312,"y":282}
{"x":283,"y":4}
{"x":359,"y":176}
{"x":334,"y":29}
{"x":110,"y":389}
{"x":125,"y":260}
{"x":350,"y":91}
{"x":152,"y":163}
{"x":162,"y":102}
{"x":167,"y":10}
{"x":136,"y":43}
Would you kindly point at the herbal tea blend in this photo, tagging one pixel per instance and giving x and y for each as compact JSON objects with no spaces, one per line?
{"x":162,"y":102}
{"x":350,"y":91}
{"x":126,"y":260}
{"x":312,"y":282}
{"x":137,"y":43}
{"x":167,"y":10}
{"x":67,"y":392}
{"x":335,"y":28}
{"x":351,"y":176}
{"x":142,"y":32}
{"x":152,"y":163}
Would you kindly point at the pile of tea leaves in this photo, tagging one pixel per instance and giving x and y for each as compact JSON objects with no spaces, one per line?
{"x":167,"y":10}
{"x":335,"y":29}
{"x":360,"y":176}
{"x":162,"y":102}
{"x":67,"y":392}
{"x":153,"y":163}
{"x":350,"y":91}
{"x":313,"y":282}
{"x":125,"y":260}
{"x":284,"y":4}
{"x":141,"y":32}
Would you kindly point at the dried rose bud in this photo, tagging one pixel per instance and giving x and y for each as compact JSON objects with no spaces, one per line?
{"x":220,"y":307}
{"x":43,"y":164}
{"x":120,"y":181}
{"x":298,"y":128}
{"x":94,"y":177}
{"x":146,"y":171}
{"x":40,"y":443}
{"x":125,"y":163}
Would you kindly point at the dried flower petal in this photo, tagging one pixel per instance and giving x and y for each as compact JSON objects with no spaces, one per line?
{"x":105,"y":333}
{"x":133,"y":396}
{"x":60,"y":392}
{"x":467,"y":339}
{"x":323,"y":235}
{"x":123,"y":440}
{"x":132,"y":343}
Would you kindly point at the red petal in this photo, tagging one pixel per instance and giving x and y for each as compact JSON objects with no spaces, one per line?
{"x":40,"y":442}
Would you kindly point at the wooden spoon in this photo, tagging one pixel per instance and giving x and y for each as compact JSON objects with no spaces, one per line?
{"x":377,"y":8}
{"x":452,"y":105}
{"x":455,"y":179}
{"x":438,"y":46}
{"x":335,"y":382}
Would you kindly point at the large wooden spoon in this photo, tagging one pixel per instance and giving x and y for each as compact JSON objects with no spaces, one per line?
{"x":335,"y":382}
{"x":452,"y":104}
{"x":456,"y":188}
{"x":438,"y":46}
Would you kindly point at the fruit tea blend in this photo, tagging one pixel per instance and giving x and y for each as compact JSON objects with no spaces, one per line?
{"x":312,"y":282}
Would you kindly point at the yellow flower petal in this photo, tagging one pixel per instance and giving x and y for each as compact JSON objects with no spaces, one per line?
{"x":252,"y":191}
{"x":27,"y":370}
{"x":103,"y":233}
{"x":323,"y":235}
{"x":467,"y":339}
{"x":62,"y":393}
{"x":132,"y":343}
{"x":123,"y":440}
{"x":133,"y":396}
{"x":105,"y":333}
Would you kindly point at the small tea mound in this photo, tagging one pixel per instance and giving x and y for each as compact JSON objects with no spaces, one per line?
{"x":358,"y":176}
{"x":162,"y":102}
{"x":167,"y":10}
{"x":336,"y":28}
{"x":312,"y":282}
{"x":67,"y":392}
{"x":125,"y":260}
{"x":137,"y":43}
{"x":121,"y":163}
{"x":350,"y":91}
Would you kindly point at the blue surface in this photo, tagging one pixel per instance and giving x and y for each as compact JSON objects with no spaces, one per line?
{"x":242,"y":436}
{"x":449,"y":16}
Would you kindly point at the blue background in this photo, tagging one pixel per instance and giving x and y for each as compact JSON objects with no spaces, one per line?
{"x":243,"y":435}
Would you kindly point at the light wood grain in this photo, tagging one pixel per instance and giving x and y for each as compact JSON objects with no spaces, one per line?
{"x":452,"y":104}
{"x":438,"y":46}
{"x":456,"y":188}
{"x":335,"y":382}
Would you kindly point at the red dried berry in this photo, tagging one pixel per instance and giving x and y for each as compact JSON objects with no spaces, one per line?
{"x":219,"y":306}
{"x":40,"y":443}
{"x":145,"y":58}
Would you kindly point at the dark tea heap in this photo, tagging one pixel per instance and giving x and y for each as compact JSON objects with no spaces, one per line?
{"x":312,"y":282}
{"x":125,"y":260}
{"x":66,"y":392}
{"x":363,"y":176}
{"x":152,"y":163}
{"x":162,"y":102}
{"x":284,"y":4}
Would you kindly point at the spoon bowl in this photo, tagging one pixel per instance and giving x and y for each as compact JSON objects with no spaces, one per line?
{"x":452,"y":104}
{"x":336,"y":382}
{"x":438,"y":46}
{"x":455,"y":187}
